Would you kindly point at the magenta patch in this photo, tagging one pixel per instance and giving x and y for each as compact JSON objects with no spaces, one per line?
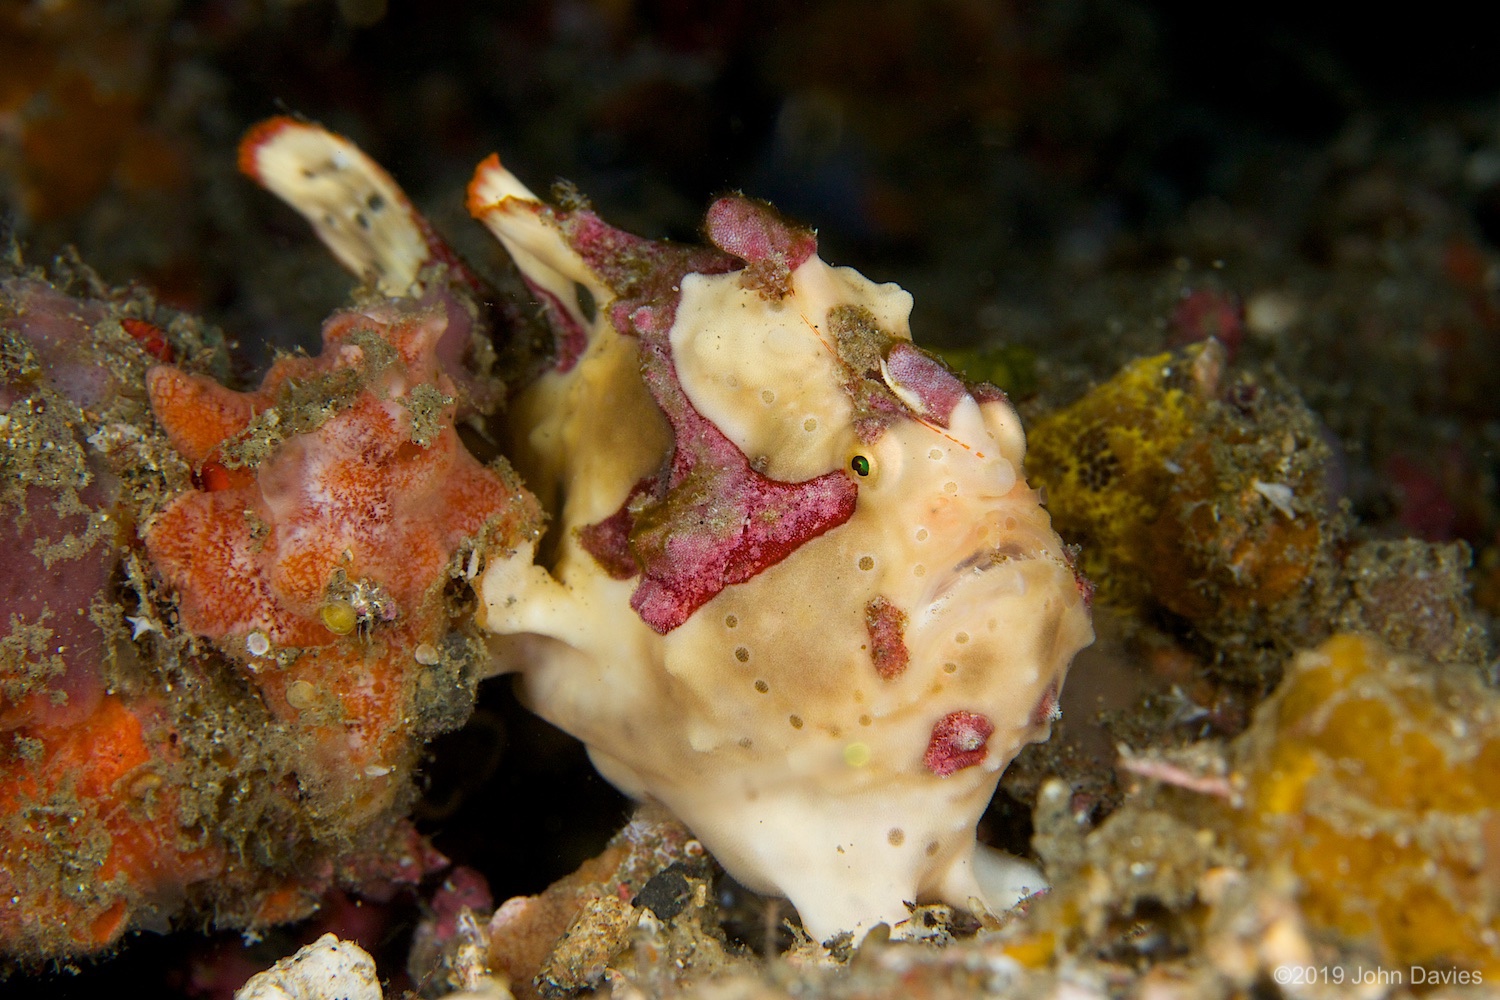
{"x":440,"y":252}
{"x":958,"y":741}
{"x":570,"y":339}
{"x":1046,"y":711}
{"x":708,"y":520}
{"x":632,"y":266}
{"x":936,"y":388}
{"x":771,"y":247}
{"x":886,"y":624}
{"x":740,"y":524}
{"x":985,"y":392}
{"x":608,"y":541}
{"x":1081,"y":583}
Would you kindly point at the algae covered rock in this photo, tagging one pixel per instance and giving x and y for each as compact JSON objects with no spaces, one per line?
{"x":1203,"y":492}
{"x":1357,"y":820}
{"x":1375,"y":779}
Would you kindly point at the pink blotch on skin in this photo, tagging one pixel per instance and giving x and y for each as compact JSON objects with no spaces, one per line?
{"x":463,"y":888}
{"x":886,"y":624}
{"x":608,"y":541}
{"x":709,"y":520}
{"x":1081,"y":583}
{"x":922,"y":375}
{"x":771,"y":247}
{"x":958,"y":741}
{"x":1046,"y":712}
{"x":571,"y":340}
{"x":985,"y":392}
{"x":774,"y":520}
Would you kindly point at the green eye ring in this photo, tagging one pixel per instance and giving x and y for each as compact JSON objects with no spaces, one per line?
{"x":861,"y":465}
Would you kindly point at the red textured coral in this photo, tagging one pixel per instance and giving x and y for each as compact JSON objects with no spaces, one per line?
{"x":97,"y":790}
{"x":335,"y":547}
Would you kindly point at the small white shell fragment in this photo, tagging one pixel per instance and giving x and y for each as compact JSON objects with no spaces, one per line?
{"x":257,"y":644}
{"x":1278,"y":495}
{"x":327,"y":969}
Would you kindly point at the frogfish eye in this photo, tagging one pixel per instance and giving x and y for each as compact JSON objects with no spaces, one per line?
{"x":861,"y":465}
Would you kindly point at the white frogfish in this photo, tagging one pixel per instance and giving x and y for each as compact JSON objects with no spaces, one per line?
{"x":795,"y":586}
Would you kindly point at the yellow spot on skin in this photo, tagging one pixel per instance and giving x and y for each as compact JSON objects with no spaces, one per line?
{"x":767,"y":396}
{"x":742,"y":654}
{"x":961,"y":638}
{"x":730,"y":621}
{"x":810,"y":424}
{"x":762,"y":687}
{"x":896,"y":837}
{"x":921,"y":534}
{"x":949,"y":668}
{"x":338,"y":617}
{"x":866,"y":563}
{"x":796,"y":721}
{"x":857,"y":754}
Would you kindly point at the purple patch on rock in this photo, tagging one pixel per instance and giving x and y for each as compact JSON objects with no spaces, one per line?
{"x":958,"y":741}
{"x":771,"y":247}
{"x":936,"y":388}
{"x":708,"y":520}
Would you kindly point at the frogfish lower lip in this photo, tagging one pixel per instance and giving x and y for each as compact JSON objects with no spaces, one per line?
{"x":990,"y":557}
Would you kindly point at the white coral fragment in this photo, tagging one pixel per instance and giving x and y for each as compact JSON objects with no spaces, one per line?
{"x":327,"y":969}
